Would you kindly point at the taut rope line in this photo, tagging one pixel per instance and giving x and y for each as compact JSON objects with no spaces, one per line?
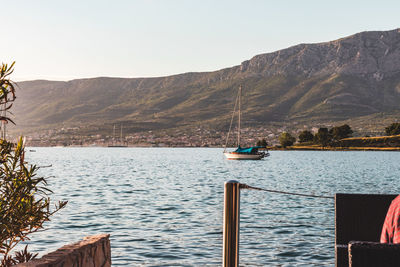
{"x":245,"y":186}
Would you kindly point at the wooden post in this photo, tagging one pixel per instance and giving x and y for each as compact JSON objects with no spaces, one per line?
{"x":230,"y":255}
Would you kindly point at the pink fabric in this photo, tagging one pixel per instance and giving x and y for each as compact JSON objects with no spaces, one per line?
{"x":391,"y":227}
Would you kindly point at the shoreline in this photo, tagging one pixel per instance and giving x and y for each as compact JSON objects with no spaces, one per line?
{"x":312,"y":148}
{"x":292,"y":148}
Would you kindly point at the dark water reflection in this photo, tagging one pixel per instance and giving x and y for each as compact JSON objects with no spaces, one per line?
{"x":163,"y":207}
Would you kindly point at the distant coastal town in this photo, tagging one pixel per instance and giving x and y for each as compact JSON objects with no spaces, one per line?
{"x":198,"y":137}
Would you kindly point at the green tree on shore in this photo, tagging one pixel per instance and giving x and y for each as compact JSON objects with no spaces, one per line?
{"x":262,"y":142}
{"x":306,"y":136}
{"x":323,"y":137}
{"x":393,"y":129}
{"x":340,"y":132}
{"x":286,"y":139}
{"x":24,"y":197}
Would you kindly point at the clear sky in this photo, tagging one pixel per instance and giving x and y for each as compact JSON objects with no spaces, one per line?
{"x":64,"y":40}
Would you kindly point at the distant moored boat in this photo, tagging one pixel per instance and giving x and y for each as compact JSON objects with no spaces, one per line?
{"x":115,"y":143}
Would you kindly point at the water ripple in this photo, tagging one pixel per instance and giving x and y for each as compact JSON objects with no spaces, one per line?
{"x":163,"y":207}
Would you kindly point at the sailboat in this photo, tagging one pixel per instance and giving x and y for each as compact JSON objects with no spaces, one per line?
{"x":116,"y":144}
{"x":242,"y":153}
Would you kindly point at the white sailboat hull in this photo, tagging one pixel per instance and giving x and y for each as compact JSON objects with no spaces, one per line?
{"x":240,"y":156}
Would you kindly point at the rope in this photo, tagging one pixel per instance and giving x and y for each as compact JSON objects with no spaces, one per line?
{"x":288,"y":224}
{"x":245,"y":186}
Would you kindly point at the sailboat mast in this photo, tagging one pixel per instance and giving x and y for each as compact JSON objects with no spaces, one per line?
{"x":113,"y":138}
{"x":121,"y":135}
{"x":230,"y":125}
{"x":240,"y":94}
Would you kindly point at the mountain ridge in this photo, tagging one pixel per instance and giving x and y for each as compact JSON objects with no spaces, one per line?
{"x":354,"y":76}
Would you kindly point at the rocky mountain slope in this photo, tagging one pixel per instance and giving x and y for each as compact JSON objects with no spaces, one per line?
{"x":349,"y":78}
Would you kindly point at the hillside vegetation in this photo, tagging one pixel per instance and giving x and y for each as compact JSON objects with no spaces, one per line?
{"x":380,"y":141}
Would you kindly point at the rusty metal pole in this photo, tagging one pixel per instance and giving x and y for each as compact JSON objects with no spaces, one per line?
{"x":230,"y":254}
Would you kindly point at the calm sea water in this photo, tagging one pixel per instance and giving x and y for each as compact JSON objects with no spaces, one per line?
{"x":164,"y":206}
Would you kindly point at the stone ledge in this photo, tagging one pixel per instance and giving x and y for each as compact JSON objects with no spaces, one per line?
{"x":92,"y":251}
